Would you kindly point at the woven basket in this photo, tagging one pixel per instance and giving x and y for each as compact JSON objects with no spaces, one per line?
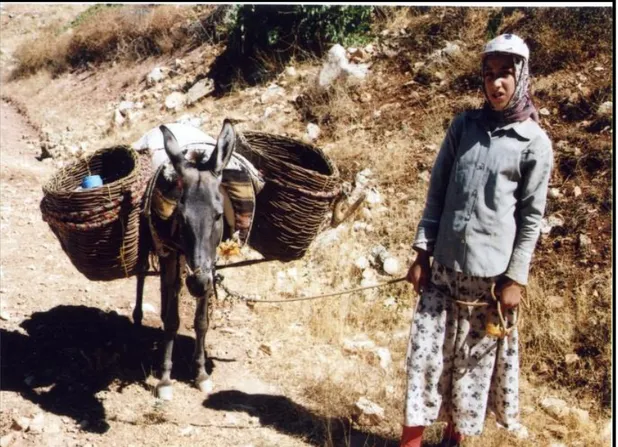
{"x":99,"y":228}
{"x":300,"y":185}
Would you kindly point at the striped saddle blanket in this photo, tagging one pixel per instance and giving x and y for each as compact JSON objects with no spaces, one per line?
{"x":239,"y":184}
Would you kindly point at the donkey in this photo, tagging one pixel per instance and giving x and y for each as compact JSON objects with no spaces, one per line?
{"x":197,"y":230}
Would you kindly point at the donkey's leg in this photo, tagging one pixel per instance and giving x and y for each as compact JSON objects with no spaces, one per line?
{"x":170,"y":286}
{"x":138,"y":312}
{"x":142,"y":269}
{"x":199,"y":355}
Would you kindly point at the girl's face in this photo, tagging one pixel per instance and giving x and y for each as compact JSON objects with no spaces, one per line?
{"x":499,"y":80}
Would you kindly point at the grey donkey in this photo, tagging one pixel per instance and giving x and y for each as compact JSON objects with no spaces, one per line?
{"x":197,"y":224}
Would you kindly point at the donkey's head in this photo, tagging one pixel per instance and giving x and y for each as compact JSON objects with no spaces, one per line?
{"x":199,"y":212}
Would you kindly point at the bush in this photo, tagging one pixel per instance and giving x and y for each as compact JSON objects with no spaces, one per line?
{"x":264,"y":38}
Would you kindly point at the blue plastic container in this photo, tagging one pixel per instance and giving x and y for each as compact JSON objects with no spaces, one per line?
{"x":92,"y":181}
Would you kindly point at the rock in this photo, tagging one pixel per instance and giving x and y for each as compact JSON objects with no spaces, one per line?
{"x":521,"y":433}
{"x":584,"y":241}
{"x":390,"y":302}
{"x":555,"y":407}
{"x":544,"y":111}
{"x":554,"y":193}
{"x":571,"y":358}
{"x":368,"y":412}
{"x":291,"y":72}
{"x":373,"y":196}
{"x":358,"y":343}
{"x":384,"y":355}
{"x":548,"y":223}
{"x":125,"y":105}
{"x":179,"y":64}
{"x":199,"y":90}
{"x":363,"y":177}
{"x":119,"y":119}
{"x":271,"y":93}
{"x":7,"y":440}
{"x":313,"y":131}
{"x":577,"y":191}
{"x":175,"y":101}
{"x":451,"y":50}
{"x":606,"y":109}
{"x":4,"y":315}
{"x":337,"y":65}
{"x":21,"y":423}
{"x":155,"y":76}
{"x":361,"y":263}
{"x":37,"y":424}
{"x":391,"y":266}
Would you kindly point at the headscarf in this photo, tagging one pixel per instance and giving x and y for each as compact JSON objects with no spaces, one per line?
{"x":520,"y":107}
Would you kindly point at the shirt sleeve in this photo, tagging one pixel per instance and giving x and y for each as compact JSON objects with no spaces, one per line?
{"x":427,"y":230}
{"x":536,"y":166}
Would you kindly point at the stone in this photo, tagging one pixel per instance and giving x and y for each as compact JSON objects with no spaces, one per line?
{"x":313,"y":131}
{"x":384,"y":355}
{"x":199,"y":90}
{"x":544,"y":111}
{"x":175,"y":101}
{"x":554,"y":193}
{"x":358,"y":343}
{"x":368,"y":412}
{"x":291,"y":72}
{"x":361,"y":263}
{"x":555,"y":407}
{"x":272,"y":92}
{"x":7,"y":440}
{"x":577,"y":191}
{"x":571,"y":358}
{"x":37,"y":424}
{"x":606,"y":109}
{"x":155,"y":76}
{"x":584,"y":241}
{"x":391,"y":266}
{"x":21,"y":423}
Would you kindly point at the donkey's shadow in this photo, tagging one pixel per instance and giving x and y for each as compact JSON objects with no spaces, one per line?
{"x":73,"y":352}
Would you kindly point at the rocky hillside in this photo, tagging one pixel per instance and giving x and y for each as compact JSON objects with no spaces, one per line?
{"x":379,"y":108}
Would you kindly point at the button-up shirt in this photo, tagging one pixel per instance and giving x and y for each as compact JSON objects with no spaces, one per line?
{"x":487,"y":197}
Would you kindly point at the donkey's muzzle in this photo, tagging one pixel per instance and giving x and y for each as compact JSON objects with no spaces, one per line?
{"x":199,"y":284}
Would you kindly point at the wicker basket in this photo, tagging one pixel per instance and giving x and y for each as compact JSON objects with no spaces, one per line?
{"x":99,"y":228}
{"x":301,"y":183}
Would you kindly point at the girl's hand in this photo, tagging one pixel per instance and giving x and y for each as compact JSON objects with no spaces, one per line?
{"x":510,"y":294}
{"x":419,"y":271}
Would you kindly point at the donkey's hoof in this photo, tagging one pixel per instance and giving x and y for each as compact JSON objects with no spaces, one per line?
{"x":165,"y":392}
{"x":206,"y":386}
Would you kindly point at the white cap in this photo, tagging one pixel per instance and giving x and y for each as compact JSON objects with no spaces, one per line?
{"x":507,"y":43}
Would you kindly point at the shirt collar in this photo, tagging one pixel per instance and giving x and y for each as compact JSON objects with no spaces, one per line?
{"x":525,"y":129}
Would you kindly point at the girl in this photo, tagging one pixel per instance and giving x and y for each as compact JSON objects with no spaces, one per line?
{"x":480,"y":224}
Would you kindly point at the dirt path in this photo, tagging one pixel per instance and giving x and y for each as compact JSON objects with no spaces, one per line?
{"x":75,"y":372}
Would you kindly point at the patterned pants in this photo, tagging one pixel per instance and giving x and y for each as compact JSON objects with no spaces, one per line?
{"x":456,"y":372}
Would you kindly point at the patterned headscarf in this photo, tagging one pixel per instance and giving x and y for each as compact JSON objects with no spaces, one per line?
{"x":520,"y":107}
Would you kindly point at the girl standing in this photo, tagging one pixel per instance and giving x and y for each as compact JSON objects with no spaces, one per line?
{"x":480,"y":224}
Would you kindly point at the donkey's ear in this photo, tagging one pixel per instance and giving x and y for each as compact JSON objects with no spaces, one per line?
{"x":226,"y":143}
{"x":173,"y":150}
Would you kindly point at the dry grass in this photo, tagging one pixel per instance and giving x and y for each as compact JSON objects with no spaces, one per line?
{"x":109,"y":34}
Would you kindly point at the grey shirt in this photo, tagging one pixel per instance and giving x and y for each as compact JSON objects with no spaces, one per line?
{"x":486,"y":197}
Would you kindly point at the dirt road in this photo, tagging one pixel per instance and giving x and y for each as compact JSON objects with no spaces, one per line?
{"x":75,"y":372}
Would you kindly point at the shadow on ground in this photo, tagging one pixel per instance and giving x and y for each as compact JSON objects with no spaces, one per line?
{"x":290,"y":418}
{"x":70,"y":353}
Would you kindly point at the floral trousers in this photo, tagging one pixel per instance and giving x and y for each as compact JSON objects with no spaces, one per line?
{"x":456,"y":372}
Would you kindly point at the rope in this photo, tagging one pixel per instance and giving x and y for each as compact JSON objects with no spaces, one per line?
{"x":219,"y":279}
{"x":503,"y":330}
